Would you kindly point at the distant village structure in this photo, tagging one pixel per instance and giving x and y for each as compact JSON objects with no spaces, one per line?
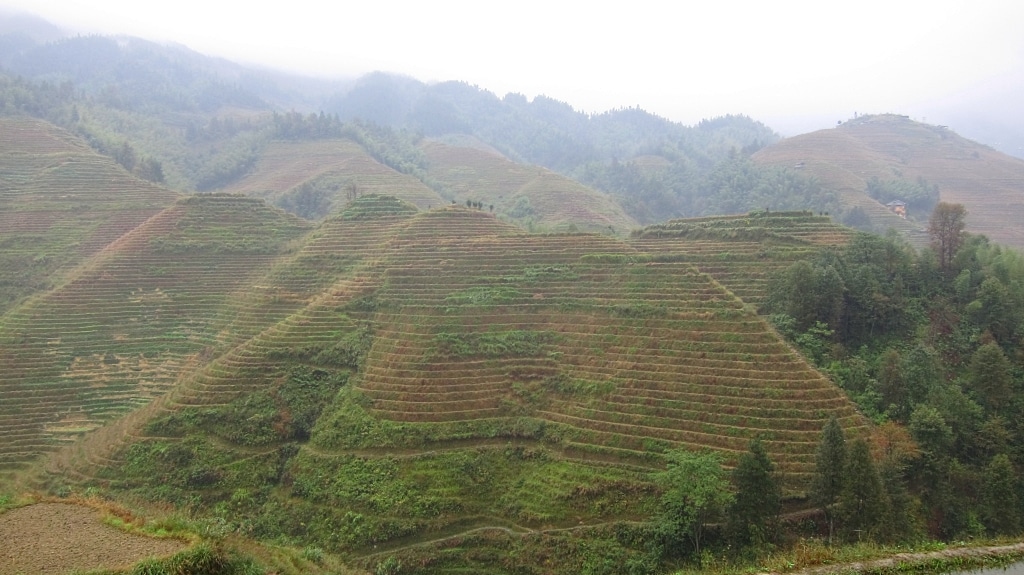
{"x":898,"y":207}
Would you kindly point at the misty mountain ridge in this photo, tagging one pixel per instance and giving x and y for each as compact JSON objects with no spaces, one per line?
{"x":985,"y":113}
{"x":207,"y":123}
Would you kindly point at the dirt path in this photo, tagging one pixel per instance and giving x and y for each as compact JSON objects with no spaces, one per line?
{"x":56,"y":538}
{"x":909,"y":559}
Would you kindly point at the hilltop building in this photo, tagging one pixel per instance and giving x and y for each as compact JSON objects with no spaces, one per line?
{"x":898,"y":207}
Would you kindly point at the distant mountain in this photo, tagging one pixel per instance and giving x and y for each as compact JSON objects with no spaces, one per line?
{"x":894,"y":152}
{"x":543,"y":131}
{"x":25,"y":30}
{"x":535,"y":198}
{"x":199,"y":123}
{"x":205,"y":121}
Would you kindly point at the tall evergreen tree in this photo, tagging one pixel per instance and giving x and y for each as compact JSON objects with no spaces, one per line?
{"x":829,"y":466}
{"x":863,"y":502}
{"x":999,"y":502}
{"x":754,"y":513}
{"x":991,"y":378}
{"x":946,"y":230}
{"x":894,"y":448}
{"x":893,"y":386}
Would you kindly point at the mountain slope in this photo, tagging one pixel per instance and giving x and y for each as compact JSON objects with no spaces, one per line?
{"x":888,"y":147}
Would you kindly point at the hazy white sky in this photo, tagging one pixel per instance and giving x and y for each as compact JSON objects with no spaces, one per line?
{"x":818,"y":60}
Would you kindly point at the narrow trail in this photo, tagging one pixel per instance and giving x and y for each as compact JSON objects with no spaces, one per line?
{"x":906,"y":559}
{"x":513,"y":531}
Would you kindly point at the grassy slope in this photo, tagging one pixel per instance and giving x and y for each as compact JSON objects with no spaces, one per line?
{"x":845,"y":158}
{"x":60,"y":203}
{"x":444,"y":372}
{"x":553,"y":201}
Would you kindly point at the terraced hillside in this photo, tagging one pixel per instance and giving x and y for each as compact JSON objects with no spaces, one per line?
{"x":439,"y":374}
{"x":987,"y":182}
{"x":618,"y":354}
{"x":338,"y":166}
{"x":742,"y":252}
{"x":527,"y":195}
{"x":60,"y":203}
{"x":124,"y":326}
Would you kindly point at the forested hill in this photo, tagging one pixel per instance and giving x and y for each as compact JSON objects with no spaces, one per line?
{"x":655,"y":168}
{"x":542,"y":131}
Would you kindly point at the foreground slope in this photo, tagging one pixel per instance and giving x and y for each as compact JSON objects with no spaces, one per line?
{"x":986,"y":182}
{"x":445,"y":374}
{"x":60,"y":203}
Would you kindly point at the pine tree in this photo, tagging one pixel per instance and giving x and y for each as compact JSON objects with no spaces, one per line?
{"x":946,"y":230}
{"x":990,"y":376}
{"x":863,"y":502}
{"x":999,"y":497}
{"x":754,"y":513}
{"x":829,"y":467}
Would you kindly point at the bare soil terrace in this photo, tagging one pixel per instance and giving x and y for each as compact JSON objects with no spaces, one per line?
{"x":54,"y":538}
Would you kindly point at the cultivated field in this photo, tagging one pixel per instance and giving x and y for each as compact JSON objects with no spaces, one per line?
{"x":49,"y":538}
{"x":742,"y":252}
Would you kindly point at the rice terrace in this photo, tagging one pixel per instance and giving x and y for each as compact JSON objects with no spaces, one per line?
{"x":430,"y":330}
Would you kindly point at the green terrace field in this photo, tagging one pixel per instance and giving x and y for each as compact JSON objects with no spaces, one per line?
{"x":123,"y":327}
{"x":440,"y":386}
{"x":527,"y":195}
{"x":60,"y":203}
{"x":742,"y":252}
{"x":889,"y":147}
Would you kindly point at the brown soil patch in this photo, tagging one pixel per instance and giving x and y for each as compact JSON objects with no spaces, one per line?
{"x":54,"y":538}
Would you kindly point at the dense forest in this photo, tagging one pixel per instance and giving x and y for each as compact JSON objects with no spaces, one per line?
{"x":929,"y":346}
